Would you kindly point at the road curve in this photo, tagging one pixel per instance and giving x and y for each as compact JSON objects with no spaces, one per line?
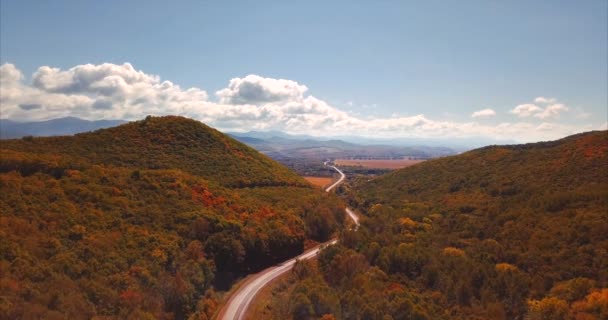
{"x":236,"y":307}
{"x":342,"y":177}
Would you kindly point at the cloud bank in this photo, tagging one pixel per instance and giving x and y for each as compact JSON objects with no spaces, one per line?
{"x":111,"y":91}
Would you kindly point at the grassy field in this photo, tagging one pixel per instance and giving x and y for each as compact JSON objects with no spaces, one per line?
{"x":319,"y":181}
{"x":380,"y":164}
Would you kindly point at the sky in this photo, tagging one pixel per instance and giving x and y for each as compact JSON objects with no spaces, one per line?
{"x":518,"y":70}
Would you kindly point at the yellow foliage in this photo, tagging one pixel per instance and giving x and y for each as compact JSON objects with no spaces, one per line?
{"x":505,"y":267}
{"x":407,"y":223}
{"x":159,"y":254}
{"x":453,"y":252}
{"x":547,"y":308}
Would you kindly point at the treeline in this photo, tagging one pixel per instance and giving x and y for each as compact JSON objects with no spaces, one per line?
{"x":82,"y":240}
{"x":496,"y":233}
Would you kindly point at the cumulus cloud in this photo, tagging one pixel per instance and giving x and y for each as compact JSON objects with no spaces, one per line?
{"x":526,"y":110}
{"x":254,"y":89}
{"x":543,"y":100}
{"x":483,"y":113}
{"x":94,"y":91}
{"x":111,"y":91}
{"x":551,"y":109}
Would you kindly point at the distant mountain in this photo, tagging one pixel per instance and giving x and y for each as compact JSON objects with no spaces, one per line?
{"x":57,"y":127}
{"x":265,"y":135}
{"x":280,"y":145}
{"x":453,"y":143}
{"x":146,"y":220}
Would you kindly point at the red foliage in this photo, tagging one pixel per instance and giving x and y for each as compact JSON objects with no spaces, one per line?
{"x":203,"y":195}
{"x":131,"y":297}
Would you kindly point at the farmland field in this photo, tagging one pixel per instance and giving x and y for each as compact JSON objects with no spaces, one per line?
{"x":382,"y":164}
{"x":319,"y":181}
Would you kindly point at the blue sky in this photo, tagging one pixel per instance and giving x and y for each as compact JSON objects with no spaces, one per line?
{"x":374,"y":62}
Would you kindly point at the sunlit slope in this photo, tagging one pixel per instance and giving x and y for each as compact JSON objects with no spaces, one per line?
{"x":543,"y":177}
{"x":168,"y":143}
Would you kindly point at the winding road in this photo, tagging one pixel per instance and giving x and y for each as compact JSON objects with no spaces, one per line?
{"x":236,"y":307}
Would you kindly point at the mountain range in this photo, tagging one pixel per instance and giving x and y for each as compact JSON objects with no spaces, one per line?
{"x":56,"y":127}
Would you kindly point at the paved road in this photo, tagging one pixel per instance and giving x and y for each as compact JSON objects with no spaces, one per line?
{"x":342,"y":177}
{"x":238,"y":303}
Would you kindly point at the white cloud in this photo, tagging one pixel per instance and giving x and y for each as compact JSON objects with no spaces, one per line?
{"x":483,"y":113}
{"x":552,"y":111}
{"x":110,"y":91}
{"x":94,"y":91}
{"x":526,"y":110}
{"x":254,"y":89}
{"x":543,"y":100}
{"x":9,"y":74}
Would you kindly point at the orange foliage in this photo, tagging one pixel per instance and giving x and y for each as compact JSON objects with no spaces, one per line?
{"x":505,"y":267}
{"x":203,"y":195}
{"x":594,"y":304}
{"x":394,"y":287}
{"x":453,"y":252}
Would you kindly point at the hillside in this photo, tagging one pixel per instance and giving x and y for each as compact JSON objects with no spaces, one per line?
{"x":145,"y":220}
{"x":167,"y":143}
{"x":501,"y":232}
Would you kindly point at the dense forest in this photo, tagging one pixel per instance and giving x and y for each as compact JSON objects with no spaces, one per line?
{"x":501,"y":232}
{"x":145,"y":221}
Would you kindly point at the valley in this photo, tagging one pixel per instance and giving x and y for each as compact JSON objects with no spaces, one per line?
{"x":303,"y":160}
{"x":165,"y":220}
{"x":377,"y":164}
{"x":501,"y":232}
{"x":237,"y":306}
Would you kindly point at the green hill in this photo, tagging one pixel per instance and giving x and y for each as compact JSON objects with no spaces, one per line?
{"x":145,"y":220}
{"x":501,"y":232}
{"x":168,"y":143}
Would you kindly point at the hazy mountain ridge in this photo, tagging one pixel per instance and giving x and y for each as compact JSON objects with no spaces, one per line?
{"x":305,"y":147}
{"x":10,"y":129}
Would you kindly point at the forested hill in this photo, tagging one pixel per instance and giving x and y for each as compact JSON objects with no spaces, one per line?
{"x":538,"y":210}
{"x":167,"y":143}
{"x":501,"y":232}
{"x":145,"y":221}
{"x":536,"y":176}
